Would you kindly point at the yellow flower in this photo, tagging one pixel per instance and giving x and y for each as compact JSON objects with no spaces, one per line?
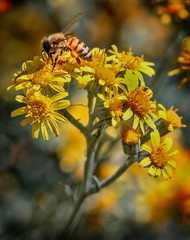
{"x":130,"y":136}
{"x":171,"y":117}
{"x":114,"y":106}
{"x":140,"y":107}
{"x":41,"y":110}
{"x":183,"y":63}
{"x":39,"y":74}
{"x":159,"y":156}
{"x":98,"y":75}
{"x":134,"y":64}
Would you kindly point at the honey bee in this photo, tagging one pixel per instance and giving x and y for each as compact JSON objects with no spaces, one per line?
{"x":66,"y":40}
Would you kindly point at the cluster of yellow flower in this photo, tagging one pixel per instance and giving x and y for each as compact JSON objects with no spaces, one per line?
{"x":173,"y":10}
{"x":122,"y":99}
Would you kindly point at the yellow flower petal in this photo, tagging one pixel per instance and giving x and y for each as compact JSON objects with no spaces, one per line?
{"x":168,"y":143}
{"x":20,"y":98}
{"x":59,"y":96}
{"x":128,"y":114}
{"x":61,"y":104}
{"x":147,"y":147}
{"x":145,"y":162}
{"x":58,"y":117}
{"x":158,"y":172}
{"x":35,"y":130}
{"x":152,"y":171}
{"x":19,"y":111}
{"x":142,"y":127}
{"x":155,"y":138}
{"x":165,"y":174}
{"x":26,"y":121}
{"x":169,"y":170}
{"x":172,"y":163}
{"x":150,"y":122}
{"x":173,"y":153}
{"x":45,"y":131}
{"x":53,"y":126}
{"x":136,"y":121}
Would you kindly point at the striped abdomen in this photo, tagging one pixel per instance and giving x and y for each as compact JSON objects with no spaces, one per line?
{"x":80,"y":48}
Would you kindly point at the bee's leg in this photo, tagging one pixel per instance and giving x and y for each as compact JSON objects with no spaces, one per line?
{"x":75,"y":55}
{"x":56,"y":58}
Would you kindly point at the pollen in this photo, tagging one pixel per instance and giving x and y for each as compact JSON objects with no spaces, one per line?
{"x":38,"y":109}
{"x":105,"y":74}
{"x":139,"y":101}
{"x":173,"y":118}
{"x":41,"y":76}
{"x":130,"y":136}
{"x":159,"y":157}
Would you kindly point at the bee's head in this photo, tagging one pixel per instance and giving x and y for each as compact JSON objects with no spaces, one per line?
{"x":45,"y":45}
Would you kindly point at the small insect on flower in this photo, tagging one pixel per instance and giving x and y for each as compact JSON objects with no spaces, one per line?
{"x":65,"y":40}
{"x":159,"y":159}
{"x":41,"y":110}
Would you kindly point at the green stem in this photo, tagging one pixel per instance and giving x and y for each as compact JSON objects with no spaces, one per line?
{"x":74,"y":218}
{"x":104,"y":183}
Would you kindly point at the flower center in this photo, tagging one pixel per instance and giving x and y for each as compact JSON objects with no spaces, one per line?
{"x":159,"y":156}
{"x":106,"y":75}
{"x":41,"y":76}
{"x":173,"y":118}
{"x":39,"y":108}
{"x":139,"y":101}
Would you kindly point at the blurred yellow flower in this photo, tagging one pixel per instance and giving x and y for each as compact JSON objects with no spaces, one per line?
{"x":41,"y":110}
{"x":171,"y":117}
{"x":39,"y":74}
{"x":159,"y":156}
{"x":134,"y":64}
{"x":173,"y":9}
{"x":183,"y":63}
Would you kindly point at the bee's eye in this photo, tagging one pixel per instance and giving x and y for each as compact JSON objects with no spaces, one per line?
{"x":46,"y":46}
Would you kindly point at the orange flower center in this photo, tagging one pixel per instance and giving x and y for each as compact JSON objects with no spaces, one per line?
{"x":106,"y":75}
{"x":39,"y":108}
{"x":139,"y":101}
{"x":159,"y":156}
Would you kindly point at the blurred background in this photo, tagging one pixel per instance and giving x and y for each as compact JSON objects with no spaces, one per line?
{"x":37,"y":177}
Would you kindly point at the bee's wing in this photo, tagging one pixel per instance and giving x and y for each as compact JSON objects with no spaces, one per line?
{"x":73,"y":22}
{"x":69,"y":35}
